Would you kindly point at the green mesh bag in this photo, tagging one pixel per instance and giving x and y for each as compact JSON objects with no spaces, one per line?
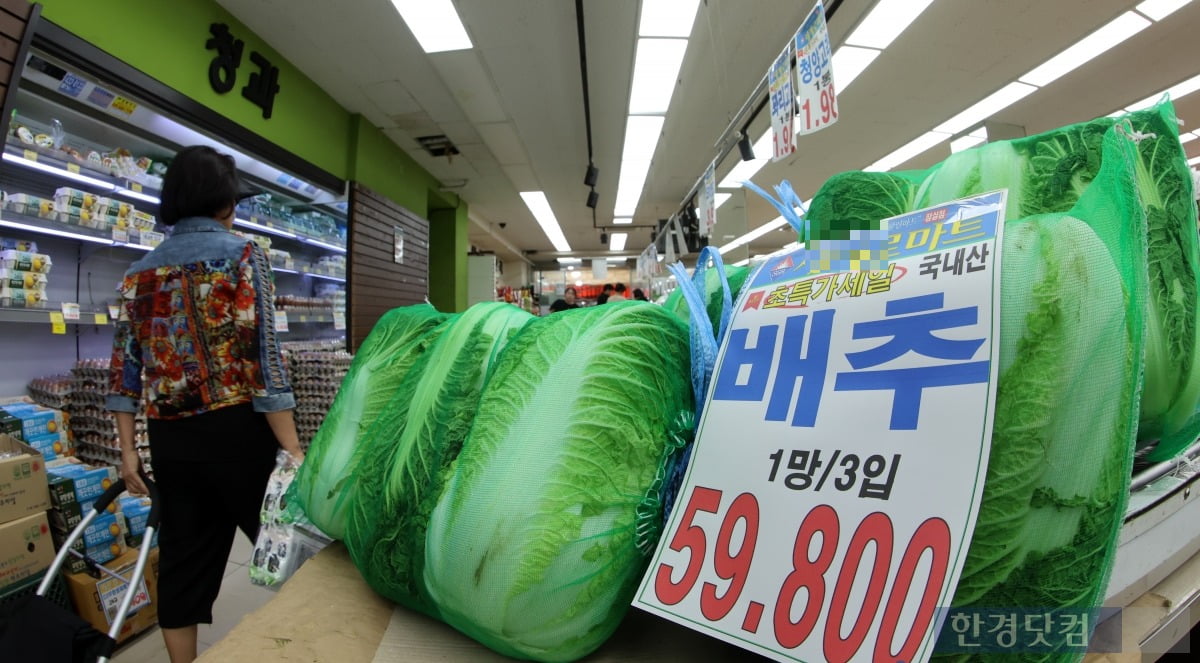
{"x":1049,"y":173}
{"x":542,"y":533}
{"x":404,"y":459}
{"x":386,"y":355}
{"x":1071,"y":328}
{"x":736,"y":275}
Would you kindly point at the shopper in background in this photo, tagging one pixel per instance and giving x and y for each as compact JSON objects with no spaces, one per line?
{"x":639,"y":295}
{"x":567,"y":302}
{"x":619,"y":295}
{"x":198,"y":322}
{"x":605,"y":293}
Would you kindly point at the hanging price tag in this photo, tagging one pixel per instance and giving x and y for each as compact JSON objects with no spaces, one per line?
{"x":101,"y":319}
{"x":816,"y":100}
{"x":30,"y":155}
{"x":151,"y":238}
{"x":114,"y":312}
{"x":706,"y":207}
{"x":783,"y":106}
{"x":339,"y":321}
{"x":70,"y":311}
{"x":135,"y":186}
{"x":73,"y":167}
{"x":807,"y":527}
{"x":281,"y":321}
{"x":57,"y":324}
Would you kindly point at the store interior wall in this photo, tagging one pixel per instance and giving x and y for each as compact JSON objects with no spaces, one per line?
{"x":448,"y":245}
{"x":166,"y":41}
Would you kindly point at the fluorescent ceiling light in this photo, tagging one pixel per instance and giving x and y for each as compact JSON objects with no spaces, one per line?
{"x":1121,"y":28}
{"x":1187,"y":137}
{"x":775,"y":224}
{"x":435,"y":24}
{"x":540,"y":207}
{"x":1160,"y":9}
{"x":965,"y":143}
{"x":622,"y":221}
{"x":270,"y":231}
{"x":1176,"y":91}
{"x":721,"y":198}
{"x":989,"y":106}
{"x":667,"y":18}
{"x":905,"y":152}
{"x":849,"y":62}
{"x":655,"y":72}
{"x":641,"y":138}
{"x":742,"y":263}
{"x":886,"y":21}
{"x":745,"y":170}
{"x":60,"y":172}
{"x":616,"y":242}
{"x":137,"y":195}
{"x":569,"y":261}
{"x":1193,"y":161}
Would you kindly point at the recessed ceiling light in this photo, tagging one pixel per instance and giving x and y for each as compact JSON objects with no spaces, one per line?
{"x":1160,"y":9}
{"x":777,"y":222}
{"x":987,"y":107}
{"x":1118,"y":30}
{"x":849,"y":62}
{"x":655,"y":72}
{"x":540,"y":207}
{"x":1175,"y":92}
{"x":622,"y":221}
{"x":435,"y":24}
{"x":667,"y":18}
{"x":616,"y":242}
{"x":721,"y":198}
{"x":641,"y":138}
{"x":1187,"y":137}
{"x":1193,"y":161}
{"x":907,"y":151}
{"x":886,"y":21}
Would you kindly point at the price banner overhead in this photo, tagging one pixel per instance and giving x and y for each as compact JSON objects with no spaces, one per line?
{"x":808,"y":527}
{"x":783,"y":106}
{"x":816,"y":100}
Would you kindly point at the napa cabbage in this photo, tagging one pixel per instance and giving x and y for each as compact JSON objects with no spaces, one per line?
{"x":538,"y":541}
{"x":405,"y":458}
{"x":736,"y":276}
{"x":385,"y":357}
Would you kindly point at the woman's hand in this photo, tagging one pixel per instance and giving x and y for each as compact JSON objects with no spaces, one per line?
{"x":131,"y":463}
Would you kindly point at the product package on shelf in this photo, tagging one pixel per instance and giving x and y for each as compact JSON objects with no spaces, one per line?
{"x":42,"y":428}
{"x":93,"y":427}
{"x":296,"y":305}
{"x":53,"y":391}
{"x":281,"y":259}
{"x":316,"y":376}
{"x":74,"y":488}
{"x":30,"y":205}
{"x":331,"y":265}
{"x":286,"y":539}
{"x":23,"y":278}
{"x":11,"y":244}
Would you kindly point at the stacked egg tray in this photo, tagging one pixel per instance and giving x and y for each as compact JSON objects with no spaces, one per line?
{"x":316,"y":377}
{"x":93,"y":427}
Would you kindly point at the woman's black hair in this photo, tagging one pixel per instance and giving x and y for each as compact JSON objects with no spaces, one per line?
{"x":571,"y":288}
{"x":200,"y":182}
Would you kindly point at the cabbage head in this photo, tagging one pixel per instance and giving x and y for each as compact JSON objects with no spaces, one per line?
{"x":713,"y":296}
{"x":386,"y":356}
{"x":405,"y":459}
{"x":538,"y":541}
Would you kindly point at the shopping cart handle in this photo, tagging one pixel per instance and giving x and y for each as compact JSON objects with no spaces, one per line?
{"x":119,"y":487}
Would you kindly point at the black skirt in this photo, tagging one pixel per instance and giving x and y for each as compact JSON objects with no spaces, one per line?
{"x":211,"y":471}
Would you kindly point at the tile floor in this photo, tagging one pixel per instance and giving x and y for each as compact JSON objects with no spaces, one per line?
{"x":239,"y":597}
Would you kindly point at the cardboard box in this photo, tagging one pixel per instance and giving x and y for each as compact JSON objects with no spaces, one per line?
{"x":36,"y":420}
{"x":72,"y":481}
{"x":69,"y":515}
{"x":97,"y":599}
{"x":45,"y":444}
{"x":104,"y":554}
{"x":137,"y":513}
{"x":26,"y":548}
{"x":23,"y":485}
{"x":104,"y":529}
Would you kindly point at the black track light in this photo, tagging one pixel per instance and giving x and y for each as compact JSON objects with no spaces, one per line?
{"x":604,"y":238}
{"x":593,"y":174}
{"x":746,"y":148}
{"x":593,"y":198}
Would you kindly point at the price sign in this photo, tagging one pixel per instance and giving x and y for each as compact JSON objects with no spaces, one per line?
{"x":816,"y":100}
{"x":30,"y":155}
{"x":339,"y":321}
{"x":807,"y":526}
{"x":57,"y":324}
{"x":73,"y":168}
{"x":123,"y":105}
{"x":120,"y":235}
{"x":281,"y":321}
{"x":70,"y":311}
{"x":101,"y":319}
{"x":135,"y":187}
{"x":783,"y":106}
{"x":113,"y":312}
{"x":151,"y":238}
{"x":706,"y":203}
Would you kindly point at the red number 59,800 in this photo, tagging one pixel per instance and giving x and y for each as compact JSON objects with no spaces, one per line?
{"x":932,"y":536}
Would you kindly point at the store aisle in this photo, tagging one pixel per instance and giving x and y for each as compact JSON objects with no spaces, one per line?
{"x":239,"y":597}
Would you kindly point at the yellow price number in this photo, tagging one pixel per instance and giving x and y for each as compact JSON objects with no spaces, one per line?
{"x":58,"y":325}
{"x":124,"y":105}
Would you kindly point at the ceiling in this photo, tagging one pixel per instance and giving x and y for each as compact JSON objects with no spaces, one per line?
{"x":513,"y":105}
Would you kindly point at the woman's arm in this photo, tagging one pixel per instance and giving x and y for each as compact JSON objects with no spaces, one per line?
{"x":125,"y":392}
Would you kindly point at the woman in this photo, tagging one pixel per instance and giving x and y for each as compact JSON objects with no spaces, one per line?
{"x":567,"y":302}
{"x":197,"y":325}
{"x":639,"y":295}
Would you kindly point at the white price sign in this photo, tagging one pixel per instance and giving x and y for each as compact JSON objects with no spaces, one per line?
{"x":816,"y":99}
{"x":707,"y":209}
{"x":783,"y":106}
{"x":281,"y":321}
{"x":807,"y":526}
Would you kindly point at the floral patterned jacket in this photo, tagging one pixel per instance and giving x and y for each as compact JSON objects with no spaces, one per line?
{"x":197,"y":322}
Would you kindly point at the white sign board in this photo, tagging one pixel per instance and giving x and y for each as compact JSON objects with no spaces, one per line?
{"x":816,"y":100}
